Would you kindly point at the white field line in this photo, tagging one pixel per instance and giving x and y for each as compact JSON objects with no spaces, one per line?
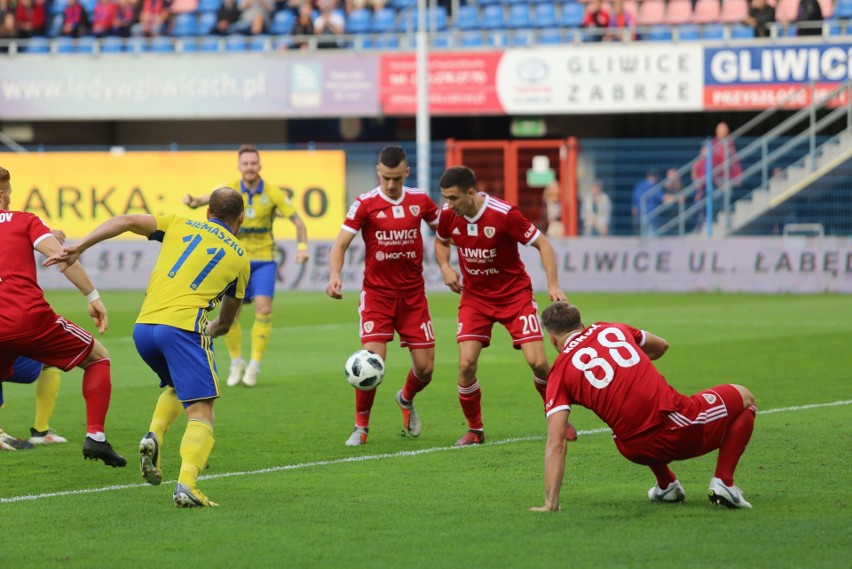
{"x":363,"y":458}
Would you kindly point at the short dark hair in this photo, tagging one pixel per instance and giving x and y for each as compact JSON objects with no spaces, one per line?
{"x":392,"y":156}
{"x":561,"y":317}
{"x":5,"y":176}
{"x":460,"y":176}
{"x":226,"y":204}
{"x":247,"y":148}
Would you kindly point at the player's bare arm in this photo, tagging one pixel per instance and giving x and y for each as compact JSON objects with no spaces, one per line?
{"x":442,"y":255}
{"x":141,"y":224}
{"x":227,"y":315}
{"x":654,"y":346}
{"x":554,"y":461}
{"x":78,"y":276}
{"x":194,"y":202}
{"x":334,"y":287}
{"x":548,"y":261}
{"x":302,"y":255}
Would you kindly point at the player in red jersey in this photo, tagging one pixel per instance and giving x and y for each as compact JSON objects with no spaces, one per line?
{"x":29,"y":326}
{"x":495,"y":287}
{"x":607,"y":368}
{"x":393,"y":295}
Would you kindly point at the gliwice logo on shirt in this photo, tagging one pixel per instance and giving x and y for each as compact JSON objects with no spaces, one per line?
{"x":709,"y":397}
{"x":489,"y":231}
{"x":472,"y":229}
{"x":368,"y":326}
{"x":414,"y":209}
{"x":398,"y":211}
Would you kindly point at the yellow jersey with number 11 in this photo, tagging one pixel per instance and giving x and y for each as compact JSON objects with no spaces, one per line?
{"x":260,"y":205}
{"x":198,"y":263}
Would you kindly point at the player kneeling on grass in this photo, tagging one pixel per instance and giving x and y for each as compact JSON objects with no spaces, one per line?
{"x":607,"y":368}
{"x":199,"y":264}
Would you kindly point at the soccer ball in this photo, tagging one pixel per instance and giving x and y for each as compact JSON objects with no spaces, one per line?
{"x":365,"y":370}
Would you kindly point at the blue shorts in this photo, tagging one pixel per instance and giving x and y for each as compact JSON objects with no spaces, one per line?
{"x":262,"y":280}
{"x":24,"y":370}
{"x":182,"y":359}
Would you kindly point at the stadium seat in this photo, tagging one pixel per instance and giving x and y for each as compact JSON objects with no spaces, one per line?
{"x":64,"y":45}
{"x":88,"y":6}
{"x":235,"y":43}
{"x":659,"y":32}
{"x":467,"y":17}
{"x":188,"y":45}
{"x":135,"y":45}
{"x":515,"y":1}
{"x":85,"y":44}
{"x":522,"y":38}
{"x":259,"y":43}
{"x":497,"y":38}
{"x":205,"y":23}
{"x":687,"y":32}
{"x":112,"y":44}
{"x":282,"y":42}
{"x":358,"y":21}
{"x":519,"y":16}
{"x":742,"y":32}
{"x":733,"y":11}
{"x":843,"y":10}
{"x":209,"y":5}
{"x":209,"y":44}
{"x":651,"y":12}
{"x":403,"y":4}
{"x":58,"y":6}
{"x":441,"y":41}
{"x":713,"y":32}
{"x":388,"y":42}
{"x":492,"y":17}
{"x":160,"y":45}
{"x":383,"y":20}
{"x":183,"y":25}
{"x":37,"y":45}
{"x":706,"y":12}
{"x":544,"y":15}
{"x":471,"y":39}
{"x":679,"y":12}
{"x":572,"y":15}
{"x":282,"y":23}
{"x":551,"y":36}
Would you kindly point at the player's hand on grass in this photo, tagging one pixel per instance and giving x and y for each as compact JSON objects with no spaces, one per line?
{"x":334,"y":288}
{"x":98,"y":312}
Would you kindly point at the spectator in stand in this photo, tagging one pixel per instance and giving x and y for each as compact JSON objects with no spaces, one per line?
{"x":125,"y":17}
{"x":651,"y":201}
{"x":7,"y":21}
{"x":75,"y":21}
{"x":103,"y":18}
{"x":551,"y":211}
{"x":809,"y":14}
{"x":30,"y":18}
{"x":596,"y":211}
{"x":760,"y":15}
{"x":373,"y":5}
{"x":227,"y":15}
{"x":672,"y":185}
{"x":596,"y":19}
{"x":254,"y":17}
{"x":726,"y":165}
{"x":329,"y":24}
{"x":621,"y":23}
{"x":303,"y":26}
{"x":154,"y":16}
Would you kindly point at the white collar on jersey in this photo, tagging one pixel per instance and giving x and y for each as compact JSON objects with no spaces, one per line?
{"x":481,"y":211}
{"x":387,"y":199}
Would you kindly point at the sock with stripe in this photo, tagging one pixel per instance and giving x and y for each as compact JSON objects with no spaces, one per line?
{"x":733,"y":446}
{"x":363,"y":405}
{"x":97,"y":389}
{"x":469,"y":398}
{"x":540,"y":386}
{"x":413,"y":385}
{"x":664,"y":475}
{"x":195,"y":448}
{"x":46,"y":391}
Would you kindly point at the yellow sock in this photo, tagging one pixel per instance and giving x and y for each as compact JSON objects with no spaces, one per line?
{"x":195,"y":450}
{"x":260,"y":332}
{"x":234,"y":341}
{"x":47,"y":390}
{"x":166,"y":412}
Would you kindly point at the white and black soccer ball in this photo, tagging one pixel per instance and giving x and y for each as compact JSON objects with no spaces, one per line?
{"x":365,"y":370}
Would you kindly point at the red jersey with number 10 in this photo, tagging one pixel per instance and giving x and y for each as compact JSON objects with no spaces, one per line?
{"x":22,"y":304}
{"x":603,"y":368}
{"x":487,"y":245}
{"x":393,"y":239}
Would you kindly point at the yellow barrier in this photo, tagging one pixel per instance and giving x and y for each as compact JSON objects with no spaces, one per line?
{"x":76,"y":191}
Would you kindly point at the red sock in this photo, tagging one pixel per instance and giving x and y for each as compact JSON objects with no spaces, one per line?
{"x":97,"y":388}
{"x":734,"y":444}
{"x":664,"y":475}
{"x":363,"y":405}
{"x":469,"y":398}
{"x":540,"y":386}
{"x":413,"y":385}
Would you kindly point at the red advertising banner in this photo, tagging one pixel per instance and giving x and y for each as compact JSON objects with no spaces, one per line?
{"x":459,"y":83}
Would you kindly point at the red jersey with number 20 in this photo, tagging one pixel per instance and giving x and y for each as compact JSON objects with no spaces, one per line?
{"x":393,"y":239}
{"x":22,"y":304}
{"x":487,"y":245}
{"x":604,"y":369}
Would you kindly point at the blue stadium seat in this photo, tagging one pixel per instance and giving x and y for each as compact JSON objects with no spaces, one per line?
{"x":550,"y":36}
{"x":383,"y":20}
{"x":37,"y":45}
{"x":112,"y":44}
{"x":85,"y":44}
{"x":205,"y":23}
{"x":572,"y":15}
{"x":403,"y":4}
{"x":209,"y":5}
{"x":358,"y":22}
{"x":519,"y":16}
{"x":492,"y":17}
{"x":58,"y":6}
{"x":386,"y":42}
{"x":282,"y":23}
{"x":471,"y":39}
{"x":259,"y":43}
{"x":660,"y":32}
{"x":467,"y":17}
{"x":713,"y":32}
{"x":438,"y":15}
{"x":235,"y":43}
{"x":160,"y":45}
{"x":742,"y":32}
{"x":64,"y":45}
{"x":188,"y":45}
{"x":183,"y":25}
{"x":687,"y":32}
{"x":523,"y":38}
{"x":209,"y":43}
{"x":843,"y":9}
{"x":88,"y":6}
{"x":136,"y":45}
{"x":544,"y":15}
{"x":442,"y":41}
{"x":282,"y":42}
{"x":497,"y":38}
{"x":515,"y":1}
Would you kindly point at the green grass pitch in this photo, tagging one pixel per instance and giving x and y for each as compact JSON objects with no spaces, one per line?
{"x":292,"y":495}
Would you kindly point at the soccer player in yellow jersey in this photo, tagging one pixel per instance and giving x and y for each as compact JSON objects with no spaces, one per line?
{"x":262,"y":201}
{"x":199,"y":265}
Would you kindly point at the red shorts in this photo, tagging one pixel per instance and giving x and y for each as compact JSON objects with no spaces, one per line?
{"x":62,"y":344}
{"x":696,"y":429}
{"x":381,"y":315}
{"x":519,"y":317}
